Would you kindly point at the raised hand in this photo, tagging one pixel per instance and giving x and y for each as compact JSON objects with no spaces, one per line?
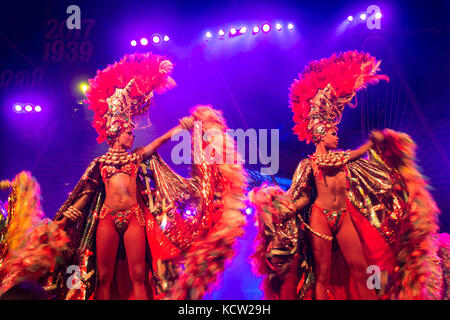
{"x":187,"y":122}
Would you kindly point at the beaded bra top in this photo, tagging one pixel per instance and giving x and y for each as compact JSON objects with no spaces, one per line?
{"x":331,"y":159}
{"x":119,"y":161}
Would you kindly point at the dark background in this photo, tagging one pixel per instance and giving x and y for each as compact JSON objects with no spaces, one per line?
{"x":247,"y":77}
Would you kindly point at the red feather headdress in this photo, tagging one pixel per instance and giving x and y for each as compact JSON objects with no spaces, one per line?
{"x":123,"y":91}
{"x":319,"y":96}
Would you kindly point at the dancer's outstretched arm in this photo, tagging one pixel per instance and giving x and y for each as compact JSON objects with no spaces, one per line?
{"x":375,"y":135}
{"x":354,"y":154}
{"x":186,"y":123}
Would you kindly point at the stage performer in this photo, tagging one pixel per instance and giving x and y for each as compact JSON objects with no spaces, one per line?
{"x":348,"y":227}
{"x":126,"y":219}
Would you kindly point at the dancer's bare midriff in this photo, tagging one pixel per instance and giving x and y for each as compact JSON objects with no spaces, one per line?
{"x":120,"y":192}
{"x":331,"y":189}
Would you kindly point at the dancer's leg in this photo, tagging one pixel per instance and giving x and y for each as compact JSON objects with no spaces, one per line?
{"x":321,"y":252}
{"x":134,"y":239}
{"x":107,"y":241}
{"x":352,"y":251}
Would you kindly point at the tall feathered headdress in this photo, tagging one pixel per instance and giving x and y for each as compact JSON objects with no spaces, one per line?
{"x":319,"y":96}
{"x":123,"y":91}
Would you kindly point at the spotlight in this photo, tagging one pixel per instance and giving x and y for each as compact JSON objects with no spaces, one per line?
{"x":363,"y":16}
{"x":278,"y":26}
{"x":350,"y":18}
{"x":243,"y":30}
{"x":156,"y":39}
{"x":221,"y":32}
{"x":255,"y":29}
{"x":18,"y":107}
{"x":84,"y":87}
{"x":378,"y":15}
{"x":290,"y":26}
{"x":266,"y":27}
{"x":248,"y":211}
{"x":28,"y":108}
{"x":166,"y":38}
{"x":188,"y":212}
{"x":37,"y":108}
{"x":144,"y":41}
{"x":133,"y":43}
{"x":208,"y":35}
{"x":233,"y":30}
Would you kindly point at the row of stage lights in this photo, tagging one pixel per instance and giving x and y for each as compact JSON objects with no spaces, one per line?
{"x":156,"y":39}
{"x":233,"y":31}
{"x":363,"y":17}
{"x":27,"y":108}
{"x":31,"y":108}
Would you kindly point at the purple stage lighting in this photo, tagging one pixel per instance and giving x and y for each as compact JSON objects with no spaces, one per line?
{"x":255,"y":29}
{"x":18,"y":107}
{"x":290,"y":26}
{"x":133,"y":43}
{"x":156,"y":39}
{"x":37,"y":108}
{"x":350,"y":18}
{"x":248,"y":211}
{"x":278,"y":26}
{"x":188,"y":212}
{"x":166,"y":38}
{"x":144,"y":41}
{"x":378,"y":15}
{"x":243,"y":30}
{"x":266,"y":27}
{"x":233,"y":30}
{"x":28,"y":108}
{"x":208,"y":35}
{"x":221,"y":32}
{"x":363,"y":16}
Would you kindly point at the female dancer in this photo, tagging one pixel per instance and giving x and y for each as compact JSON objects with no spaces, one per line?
{"x":343,"y":213}
{"x":121,"y":217}
{"x":123,"y":230}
